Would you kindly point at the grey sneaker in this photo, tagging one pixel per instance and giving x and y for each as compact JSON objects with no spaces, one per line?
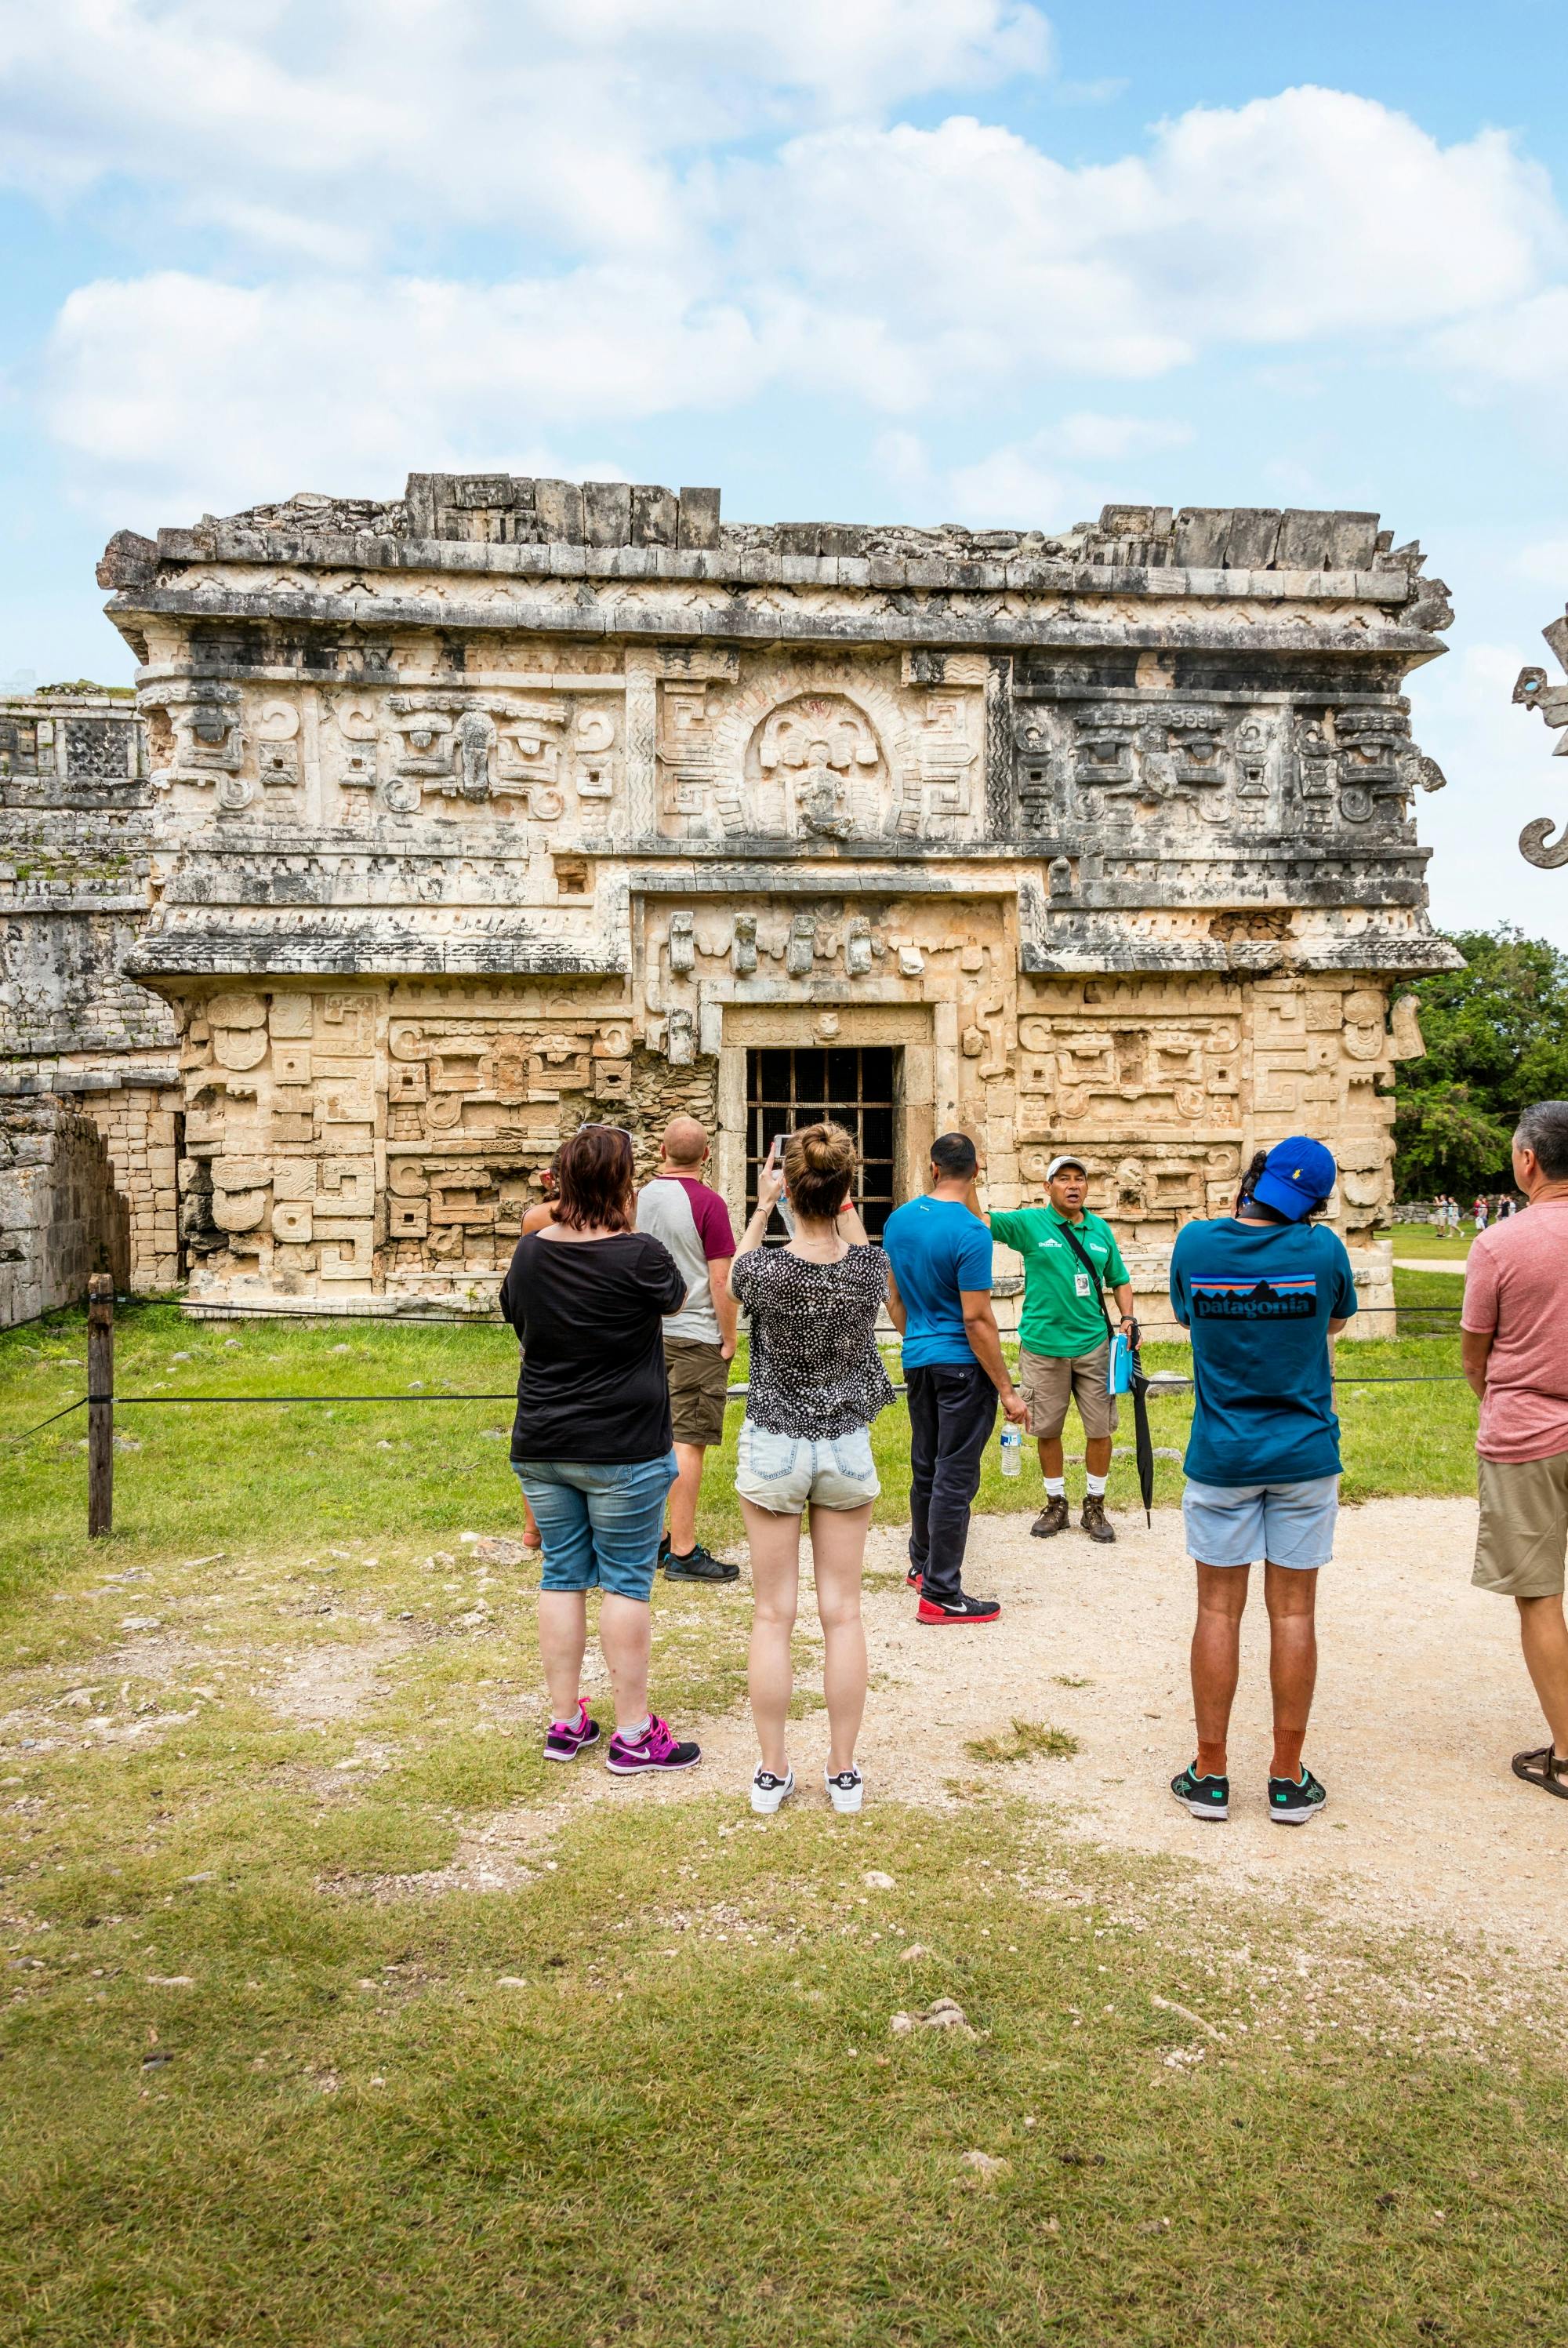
{"x":699,"y":1565}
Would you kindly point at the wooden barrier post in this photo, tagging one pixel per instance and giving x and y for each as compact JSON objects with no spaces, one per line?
{"x":100,"y":1404}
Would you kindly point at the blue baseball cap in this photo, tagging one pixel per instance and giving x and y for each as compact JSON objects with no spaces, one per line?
{"x":1297,"y":1176}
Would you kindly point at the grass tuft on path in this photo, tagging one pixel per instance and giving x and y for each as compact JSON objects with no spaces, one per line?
{"x":1027,"y":1740}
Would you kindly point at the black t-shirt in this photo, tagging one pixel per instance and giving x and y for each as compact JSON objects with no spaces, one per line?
{"x":589,"y":1317}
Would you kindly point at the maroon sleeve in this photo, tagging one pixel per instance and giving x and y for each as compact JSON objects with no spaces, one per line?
{"x":712,"y":1217}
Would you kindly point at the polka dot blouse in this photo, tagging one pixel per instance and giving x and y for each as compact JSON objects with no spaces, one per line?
{"x":815,"y":1371}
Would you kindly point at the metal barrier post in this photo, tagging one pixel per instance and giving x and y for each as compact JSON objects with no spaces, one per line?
{"x":100,"y":1404}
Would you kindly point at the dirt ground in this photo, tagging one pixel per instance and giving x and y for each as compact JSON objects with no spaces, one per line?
{"x":1422,"y":1699}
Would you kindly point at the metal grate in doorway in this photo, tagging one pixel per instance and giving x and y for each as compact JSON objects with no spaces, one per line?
{"x":852,"y":1086}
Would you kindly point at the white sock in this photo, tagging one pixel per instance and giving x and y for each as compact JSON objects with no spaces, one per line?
{"x":1094,"y":1486}
{"x":1056,"y":1487}
{"x":635,"y":1736}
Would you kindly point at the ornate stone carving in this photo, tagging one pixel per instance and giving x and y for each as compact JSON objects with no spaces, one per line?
{"x":1532,"y":689}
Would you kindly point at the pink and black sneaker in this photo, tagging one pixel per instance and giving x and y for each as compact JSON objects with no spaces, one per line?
{"x":565,"y":1739}
{"x":654,"y":1750}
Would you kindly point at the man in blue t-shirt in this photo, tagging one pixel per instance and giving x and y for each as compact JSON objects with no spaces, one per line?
{"x":1263,"y":1292}
{"x":939,"y":1295}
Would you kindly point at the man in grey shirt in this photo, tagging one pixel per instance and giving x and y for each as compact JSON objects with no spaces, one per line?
{"x":694,"y":1222}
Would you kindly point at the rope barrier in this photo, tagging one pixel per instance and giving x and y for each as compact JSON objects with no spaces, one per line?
{"x":80,"y":1404}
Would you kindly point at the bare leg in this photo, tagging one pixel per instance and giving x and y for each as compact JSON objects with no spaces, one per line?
{"x":563,"y":1635}
{"x":838,"y":1555}
{"x":1544,"y":1636}
{"x":1216,"y":1658}
{"x":1291,"y":1598}
{"x":626,"y":1634}
{"x":1051,"y":1462}
{"x":1097,"y":1454}
{"x":775,"y":1544}
{"x":683,"y":1495}
{"x":530,"y":1530}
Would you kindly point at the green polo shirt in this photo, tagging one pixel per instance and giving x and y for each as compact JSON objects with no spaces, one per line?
{"x":1061,"y":1315}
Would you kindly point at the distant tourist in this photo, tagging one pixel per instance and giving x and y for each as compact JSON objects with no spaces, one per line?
{"x":817,"y":1383}
{"x":1514,"y":1348}
{"x":678,"y":1207}
{"x":1480,"y":1213}
{"x":1263,"y":1292}
{"x":591,"y":1445}
{"x":940,"y":1301}
{"x":1069,"y":1258}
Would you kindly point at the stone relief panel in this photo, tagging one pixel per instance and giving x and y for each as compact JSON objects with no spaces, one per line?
{"x":822,"y":752}
{"x":1183,"y":768}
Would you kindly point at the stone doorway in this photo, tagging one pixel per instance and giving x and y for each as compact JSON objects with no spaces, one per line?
{"x":857,"y":1085}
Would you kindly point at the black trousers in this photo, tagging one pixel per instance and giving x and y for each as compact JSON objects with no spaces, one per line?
{"x":952,"y":1410}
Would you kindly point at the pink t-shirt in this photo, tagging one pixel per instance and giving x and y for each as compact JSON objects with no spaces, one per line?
{"x":1516,"y":1293}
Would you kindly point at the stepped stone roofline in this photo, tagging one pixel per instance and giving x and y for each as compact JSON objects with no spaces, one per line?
{"x":526,"y":527}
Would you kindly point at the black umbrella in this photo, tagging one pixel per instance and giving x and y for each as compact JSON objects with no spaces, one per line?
{"x":1143,"y":1441}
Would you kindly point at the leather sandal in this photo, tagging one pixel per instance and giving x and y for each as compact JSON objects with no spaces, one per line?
{"x":1543,"y":1768}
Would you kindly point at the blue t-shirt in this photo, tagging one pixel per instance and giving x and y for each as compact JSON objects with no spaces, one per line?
{"x":936,"y":1248}
{"x":1258,"y":1299}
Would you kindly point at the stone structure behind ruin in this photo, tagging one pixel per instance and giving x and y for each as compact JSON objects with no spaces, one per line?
{"x":511,"y":803}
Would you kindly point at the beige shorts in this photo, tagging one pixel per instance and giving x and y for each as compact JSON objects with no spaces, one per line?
{"x":787,"y":1473}
{"x":1523,"y":1530}
{"x":699,"y":1380}
{"x":1047,"y":1380}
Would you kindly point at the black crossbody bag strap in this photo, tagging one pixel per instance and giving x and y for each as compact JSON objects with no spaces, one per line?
{"x":1087,"y":1261}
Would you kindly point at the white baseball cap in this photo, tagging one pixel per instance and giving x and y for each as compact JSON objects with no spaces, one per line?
{"x":1066,"y":1159}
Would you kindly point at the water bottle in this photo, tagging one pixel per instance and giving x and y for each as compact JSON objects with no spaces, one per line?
{"x":1012,"y":1449}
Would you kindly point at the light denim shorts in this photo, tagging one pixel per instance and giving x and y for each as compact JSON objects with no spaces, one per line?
{"x":1235,"y":1524}
{"x":784,"y":1473}
{"x":598,"y":1521}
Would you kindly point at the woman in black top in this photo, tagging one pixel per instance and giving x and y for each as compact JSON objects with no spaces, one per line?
{"x":817,"y":1383}
{"x":591,"y":1443}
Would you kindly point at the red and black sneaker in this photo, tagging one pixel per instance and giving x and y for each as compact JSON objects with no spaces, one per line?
{"x":916,"y":1577}
{"x":961,"y":1608}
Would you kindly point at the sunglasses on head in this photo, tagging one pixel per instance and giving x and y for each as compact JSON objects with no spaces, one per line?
{"x":594,"y":1125}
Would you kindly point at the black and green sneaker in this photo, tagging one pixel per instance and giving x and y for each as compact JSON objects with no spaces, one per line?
{"x":1206,"y":1798}
{"x":1292,"y":1800}
{"x":699,"y":1564}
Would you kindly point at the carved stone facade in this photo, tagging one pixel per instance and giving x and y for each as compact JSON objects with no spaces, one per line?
{"x":515,"y":803}
{"x":1534,"y":690}
{"x":77,"y":1034}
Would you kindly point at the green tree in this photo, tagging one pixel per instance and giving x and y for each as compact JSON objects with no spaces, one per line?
{"x":1497,"y":1038}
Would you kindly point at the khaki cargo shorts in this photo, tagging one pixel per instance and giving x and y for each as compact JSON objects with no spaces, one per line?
{"x":699,"y":1379}
{"x":1047,"y":1380}
{"x":1523,"y":1530}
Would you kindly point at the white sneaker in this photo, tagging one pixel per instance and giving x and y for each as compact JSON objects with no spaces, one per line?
{"x":768,"y":1791}
{"x":846,"y":1791}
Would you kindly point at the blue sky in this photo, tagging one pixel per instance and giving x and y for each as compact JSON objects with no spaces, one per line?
{"x":921,"y":260}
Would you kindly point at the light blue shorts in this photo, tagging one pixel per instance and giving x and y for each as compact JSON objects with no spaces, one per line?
{"x":598,"y":1521}
{"x":1235,"y":1524}
{"x":785,"y":1473}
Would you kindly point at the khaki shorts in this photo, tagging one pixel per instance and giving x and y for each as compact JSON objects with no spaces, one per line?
{"x":1523,"y":1530}
{"x":1047,"y":1380}
{"x":699,"y":1379}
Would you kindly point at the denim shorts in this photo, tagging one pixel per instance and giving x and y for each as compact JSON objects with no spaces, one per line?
{"x":785,"y":1473}
{"x":599,"y":1521}
{"x":1235,"y":1524}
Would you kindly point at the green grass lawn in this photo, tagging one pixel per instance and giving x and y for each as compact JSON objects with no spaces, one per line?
{"x":1423,"y":1238}
{"x":267,"y":2083}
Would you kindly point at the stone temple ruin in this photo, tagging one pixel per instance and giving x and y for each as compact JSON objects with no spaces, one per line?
{"x":453,"y":821}
{"x":1535,"y":691}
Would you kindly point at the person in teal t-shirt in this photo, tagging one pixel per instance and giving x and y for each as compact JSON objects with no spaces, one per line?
{"x":1064,"y":1347}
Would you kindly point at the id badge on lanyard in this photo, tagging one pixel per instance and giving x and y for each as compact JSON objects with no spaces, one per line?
{"x":1080,"y":1282}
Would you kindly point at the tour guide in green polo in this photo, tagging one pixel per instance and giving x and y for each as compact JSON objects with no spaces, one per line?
{"x":1065,"y":1348}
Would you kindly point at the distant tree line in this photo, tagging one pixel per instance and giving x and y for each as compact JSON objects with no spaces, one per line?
{"x":1496,"y":1037}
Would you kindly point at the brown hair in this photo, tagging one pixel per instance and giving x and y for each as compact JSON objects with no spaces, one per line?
{"x":596,"y":1181}
{"x":819,"y":1164}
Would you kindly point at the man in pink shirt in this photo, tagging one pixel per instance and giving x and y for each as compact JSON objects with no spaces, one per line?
{"x":1514,"y":1348}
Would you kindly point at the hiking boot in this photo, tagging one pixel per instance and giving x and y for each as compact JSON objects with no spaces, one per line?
{"x":768,"y":1791}
{"x":1054,"y":1517}
{"x":654,"y":1751}
{"x":565,"y":1739}
{"x":1293,"y":1800}
{"x":961,"y":1608}
{"x":1206,"y":1798}
{"x":1095,"y":1521}
{"x":699,"y":1564}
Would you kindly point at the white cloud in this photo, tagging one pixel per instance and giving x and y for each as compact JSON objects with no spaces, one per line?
{"x":1524,"y":347}
{"x":180,"y":395}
